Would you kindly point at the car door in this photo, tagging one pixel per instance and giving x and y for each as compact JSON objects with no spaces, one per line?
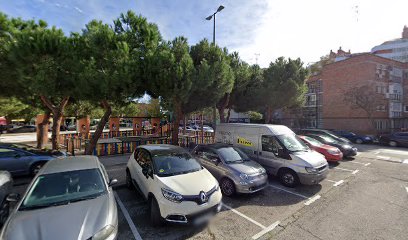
{"x":144,"y":160}
{"x":14,"y":161}
{"x":268,"y":154}
{"x":403,"y":138}
{"x":212,"y":162}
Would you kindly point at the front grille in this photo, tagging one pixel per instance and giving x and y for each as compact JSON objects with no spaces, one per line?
{"x":322,"y":168}
{"x":197,"y":199}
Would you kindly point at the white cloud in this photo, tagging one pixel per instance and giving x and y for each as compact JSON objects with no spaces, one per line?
{"x":78,"y":9}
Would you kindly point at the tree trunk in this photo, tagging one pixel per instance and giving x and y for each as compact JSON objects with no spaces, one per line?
{"x":222,"y":104}
{"x":268,"y":115}
{"x":179,"y":116}
{"x":228,"y":115}
{"x":99,"y":128}
{"x":214,"y":117}
{"x":43,"y":130}
{"x":57,"y":113}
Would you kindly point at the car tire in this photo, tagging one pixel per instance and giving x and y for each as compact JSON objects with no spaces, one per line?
{"x":155,"y":217}
{"x":359,"y":141}
{"x":227,"y":187}
{"x":35,"y":168}
{"x":288,"y":178}
{"x":393,"y":143}
{"x":4,"y":212}
{"x":129,"y":183}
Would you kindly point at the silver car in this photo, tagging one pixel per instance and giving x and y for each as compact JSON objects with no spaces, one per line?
{"x":69,"y":198}
{"x":232,"y":168}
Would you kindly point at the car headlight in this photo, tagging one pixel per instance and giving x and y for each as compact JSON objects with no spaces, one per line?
{"x":346,"y":146}
{"x":171,"y":196}
{"x":104,"y":233}
{"x":262,"y":171}
{"x":311,"y":170}
{"x":244,"y":176}
{"x":367,"y":138}
{"x":333,"y":151}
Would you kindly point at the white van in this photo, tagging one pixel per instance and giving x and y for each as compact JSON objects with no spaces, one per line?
{"x":278,"y":150}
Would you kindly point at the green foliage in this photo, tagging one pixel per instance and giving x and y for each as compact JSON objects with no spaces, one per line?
{"x":13,"y":108}
{"x":284,"y":83}
{"x":248,"y":96}
{"x":254,"y":116}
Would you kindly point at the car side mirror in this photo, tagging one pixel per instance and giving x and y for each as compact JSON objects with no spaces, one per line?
{"x":113,"y":182}
{"x":147,"y":171}
{"x":283,"y":153}
{"x":215,"y":160}
{"x":13,"y":197}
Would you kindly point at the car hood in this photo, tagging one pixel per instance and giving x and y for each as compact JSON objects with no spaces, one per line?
{"x":328,"y":147}
{"x":190,"y":183}
{"x":315,"y":159}
{"x":247,"y":167}
{"x":78,"y":220}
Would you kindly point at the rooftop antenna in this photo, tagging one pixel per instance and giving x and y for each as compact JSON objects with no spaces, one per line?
{"x":256,"y":58}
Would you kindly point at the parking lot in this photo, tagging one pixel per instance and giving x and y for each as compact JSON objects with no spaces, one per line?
{"x":361,"y":198}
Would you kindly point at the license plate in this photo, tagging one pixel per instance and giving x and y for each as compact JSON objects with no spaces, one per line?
{"x":203,"y":219}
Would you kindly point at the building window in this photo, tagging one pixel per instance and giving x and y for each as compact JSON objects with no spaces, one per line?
{"x":380,"y":108}
{"x":380,"y":124}
{"x":406,"y":108}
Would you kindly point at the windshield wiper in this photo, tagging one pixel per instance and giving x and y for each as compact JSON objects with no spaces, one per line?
{"x":44,"y":205}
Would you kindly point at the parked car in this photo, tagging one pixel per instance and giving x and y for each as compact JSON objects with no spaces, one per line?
{"x":323,"y":132}
{"x":234,"y":170}
{"x":69,"y":198}
{"x":332,"y":154}
{"x":6,"y":184}
{"x":395,"y":139}
{"x":23,"y":129}
{"x":347,"y":149}
{"x":278,"y":150}
{"x":356,"y":138}
{"x":21,"y":159}
{"x":177,"y":188}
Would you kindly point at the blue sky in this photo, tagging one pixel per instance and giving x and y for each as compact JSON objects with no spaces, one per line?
{"x":261,"y":30}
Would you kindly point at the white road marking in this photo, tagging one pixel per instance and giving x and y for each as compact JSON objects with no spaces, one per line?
{"x":361,"y":163}
{"x":336,"y":183}
{"x":401,"y":152}
{"x":266,"y":230}
{"x":405,"y":161}
{"x":376,"y":153}
{"x":312,"y":200}
{"x":244,"y":216}
{"x":406,"y":188}
{"x":383,"y":157}
{"x":127,"y":217}
{"x":355,"y":171}
{"x":343,"y":169}
{"x":297,"y":194}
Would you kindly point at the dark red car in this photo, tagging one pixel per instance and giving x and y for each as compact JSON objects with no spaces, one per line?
{"x":331,"y":153}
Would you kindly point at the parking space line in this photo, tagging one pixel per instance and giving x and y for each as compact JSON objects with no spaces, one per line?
{"x":405,"y":161}
{"x":406,"y":188}
{"x":360,"y":163}
{"x":312,"y":200}
{"x":297,"y":194}
{"x":343,"y":169}
{"x":355,"y":171}
{"x":336,"y":183}
{"x":244,"y":216}
{"x":266,"y":230}
{"x":383,"y":157}
{"x":127,"y":217}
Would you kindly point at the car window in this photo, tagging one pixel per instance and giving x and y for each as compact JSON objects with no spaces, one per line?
{"x":143,"y":159}
{"x":270,"y":144}
{"x":292,"y":142}
{"x":313,"y":141}
{"x":208,"y":154}
{"x":232,"y":155}
{"x":6,"y":153}
{"x":170,"y":164}
{"x":63,"y":188}
{"x":104,"y":172}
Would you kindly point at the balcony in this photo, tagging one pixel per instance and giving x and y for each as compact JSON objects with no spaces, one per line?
{"x":395,"y":97}
{"x":395,"y":79}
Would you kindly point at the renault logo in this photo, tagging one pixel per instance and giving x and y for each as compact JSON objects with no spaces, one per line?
{"x":203,"y":197}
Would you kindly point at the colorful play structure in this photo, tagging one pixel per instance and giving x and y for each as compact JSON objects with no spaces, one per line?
{"x":115,"y":140}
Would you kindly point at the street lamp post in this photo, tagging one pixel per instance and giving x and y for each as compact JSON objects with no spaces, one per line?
{"x":213,"y":16}
{"x":215,"y":109}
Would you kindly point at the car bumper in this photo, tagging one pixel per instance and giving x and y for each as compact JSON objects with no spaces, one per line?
{"x":350,"y":152}
{"x":334,"y":157}
{"x":189,"y":211}
{"x":254,"y":186}
{"x":312,"y":179}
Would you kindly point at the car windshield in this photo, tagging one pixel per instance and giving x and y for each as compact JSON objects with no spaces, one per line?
{"x":328,"y":139}
{"x":232,"y":155}
{"x":175,"y":164}
{"x":23,"y":146}
{"x":64,"y":188}
{"x":293,"y":143}
{"x":313,"y":141}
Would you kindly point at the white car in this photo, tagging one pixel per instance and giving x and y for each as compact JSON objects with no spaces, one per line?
{"x":177,"y":188}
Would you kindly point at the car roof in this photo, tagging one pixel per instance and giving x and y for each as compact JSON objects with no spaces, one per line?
{"x":215,"y":145}
{"x":70,"y":164}
{"x":156,"y":149}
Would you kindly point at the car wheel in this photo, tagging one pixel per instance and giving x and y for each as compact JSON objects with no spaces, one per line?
{"x":155,"y":217}
{"x":129,"y":183}
{"x":227,"y":187}
{"x":288,"y":178}
{"x":393,"y":143}
{"x":36,"y":168}
{"x":4,"y":212}
{"x":359,"y":141}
